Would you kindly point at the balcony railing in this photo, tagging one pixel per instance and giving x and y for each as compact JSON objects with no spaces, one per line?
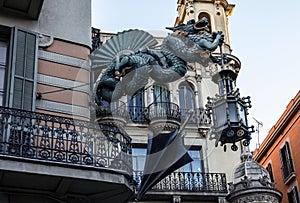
{"x":38,"y":136}
{"x":114,"y":109}
{"x":163,"y":110}
{"x":189,"y":182}
{"x":138,"y":114}
{"x":199,"y":117}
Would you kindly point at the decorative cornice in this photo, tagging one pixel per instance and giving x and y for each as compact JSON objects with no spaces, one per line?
{"x":63,"y":59}
{"x":45,"y":40}
{"x":255,"y":195}
{"x":282,"y":122}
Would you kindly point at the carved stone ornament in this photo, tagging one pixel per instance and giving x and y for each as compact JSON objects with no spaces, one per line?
{"x":257,"y":198}
{"x":45,"y":40}
{"x":212,"y":69}
{"x":246,"y":182}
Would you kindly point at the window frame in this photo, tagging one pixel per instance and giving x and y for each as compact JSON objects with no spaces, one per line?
{"x":287,"y":165}
{"x":269,"y":168}
{"x":5,"y":67}
{"x":12,"y":67}
{"x":293,"y":194}
{"x":136,"y":157}
{"x":187,"y":88}
{"x":136,"y":109}
{"x":190,"y":165}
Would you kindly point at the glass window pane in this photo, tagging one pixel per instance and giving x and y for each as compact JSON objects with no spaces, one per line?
{"x":1,"y":99}
{"x":2,"y":77}
{"x":197,"y":164}
{"x":3,"y":52}
{"x":139,"y":158}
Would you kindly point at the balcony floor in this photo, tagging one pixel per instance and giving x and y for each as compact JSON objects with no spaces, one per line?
{"x":62,"y":182}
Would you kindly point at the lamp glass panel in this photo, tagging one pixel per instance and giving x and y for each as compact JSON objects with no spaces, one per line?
{"x":242,"y":113}
{"x":233,"y":112}
{"x":220,"y":115}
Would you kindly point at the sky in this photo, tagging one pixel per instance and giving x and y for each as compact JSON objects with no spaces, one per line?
{"x":263,"y":35}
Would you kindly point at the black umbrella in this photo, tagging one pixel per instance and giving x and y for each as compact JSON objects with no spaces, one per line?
{"x":165,"y":153}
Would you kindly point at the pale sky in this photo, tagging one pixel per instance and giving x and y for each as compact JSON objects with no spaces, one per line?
{"x":264,"y":35}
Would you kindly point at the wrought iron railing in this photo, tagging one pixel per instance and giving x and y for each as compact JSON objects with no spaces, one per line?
{"x":114,"y":109}
{"x":96,"y":41}
{"x":188,"y":182}
{"x":137,"y":114}
{"x":199,"y":116}
{"x":40,"y":136}
{"x":163,"y":110}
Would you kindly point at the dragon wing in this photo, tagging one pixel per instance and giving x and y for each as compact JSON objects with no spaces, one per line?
{"x":123,"y":43}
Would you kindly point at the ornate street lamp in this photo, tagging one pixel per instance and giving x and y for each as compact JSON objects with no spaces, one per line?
{"x":229,"y":112}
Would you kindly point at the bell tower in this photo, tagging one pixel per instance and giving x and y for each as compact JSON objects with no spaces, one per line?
{"x":216,"y":11}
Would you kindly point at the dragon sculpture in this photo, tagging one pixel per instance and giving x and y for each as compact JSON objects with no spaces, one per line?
{"x":129,"y":68}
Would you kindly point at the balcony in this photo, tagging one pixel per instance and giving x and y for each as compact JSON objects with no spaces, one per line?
{"x":22,"y":8}
{"x":138,"y":114}
{"x":163,"y":116}
{"x":63,"y":158}
{"x":188,"y":185}
{"x":114,"y":113}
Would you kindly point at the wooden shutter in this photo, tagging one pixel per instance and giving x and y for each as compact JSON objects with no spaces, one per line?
{"x":23,"y":69}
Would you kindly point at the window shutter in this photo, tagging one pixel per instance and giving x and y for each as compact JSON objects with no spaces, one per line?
{"x":23,"y":69}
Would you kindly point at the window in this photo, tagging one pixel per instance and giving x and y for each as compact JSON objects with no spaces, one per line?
{"x":18,"y":78}
{"x":186,"y":101}
{"x":137,"y":106}
{"x":207,"y":16}
{"x":197,"y":164}
{"x":270,"y":171}
{"x":138,"y":158}
{"x":161,"y":97}
{"x":286,"y":161}
{"x":161,"y":94}
{"x":293,"y":195}
{"x":3,"y":67}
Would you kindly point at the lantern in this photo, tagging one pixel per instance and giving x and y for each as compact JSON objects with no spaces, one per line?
{"x":229,"y":113}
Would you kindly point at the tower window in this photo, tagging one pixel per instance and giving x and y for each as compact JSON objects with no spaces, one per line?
{"x":207,"y":16}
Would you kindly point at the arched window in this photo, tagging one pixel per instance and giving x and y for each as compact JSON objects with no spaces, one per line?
{"x":204,"y":14}
{"x":186,"y":100}
{"x":161,"y":94}
{"x":161,"y":100}
{"x":136,"y":106}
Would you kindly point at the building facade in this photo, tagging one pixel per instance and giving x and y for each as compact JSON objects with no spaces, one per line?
{"x":167,"y":104}
{"x":279,"y":152}
{"x":56,"y":145}
{"x":49,"y":149}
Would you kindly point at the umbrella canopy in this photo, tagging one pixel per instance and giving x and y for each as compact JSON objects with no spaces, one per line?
{"x":165,"y":153}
